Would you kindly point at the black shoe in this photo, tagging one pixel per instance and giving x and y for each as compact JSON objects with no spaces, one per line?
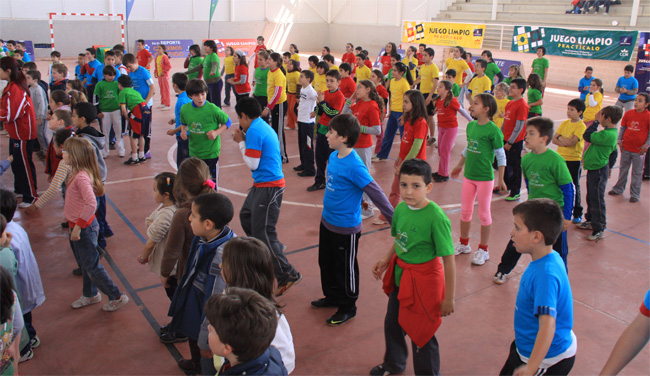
{"x":285,"y":160}
{"x":440,"y":179}
{"x":435,"y":175}
{"x":164,"y":329}
{"x":340,"y":318}
{"x":143,"y":159}
{"x":379,"y":370}
{"x":646,"y":177}
{"x":322,"y":303}
{"x":132,"y":162}
{"x":111,"y":146}
{"x":299,"y":168}
{"x":65,"y":225}
{"x":76,"y":271}
{"x":316,"y":187}
{"x":189,"y":367}
{"x":306,"y":174}
{"x":172,"y":338}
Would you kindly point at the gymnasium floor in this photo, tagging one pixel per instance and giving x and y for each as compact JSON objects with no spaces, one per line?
{"x":609,"y":278}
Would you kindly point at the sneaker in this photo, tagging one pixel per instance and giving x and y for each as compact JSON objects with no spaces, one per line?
{"x":189,"y":367}
{"x":379,"y":370}
{"x":132,"y":162}
{"x":461,"y":248}
{"x":377,"y":159}
{"x":441,"y":179}
{"x":434,"y":175}
{"x":316,"y":187}
{"x":299,"y":168}
{"x":340,"y":318}
{"x":143,"y":159}
{"x":322,"y":303}
{"x":576,"y":220}
{"x":121,"y":153}
{"x":596,"y":236}
{"x":499,"y":278}
{"x":613,"y":193}
{"x":480,"y":257}
{"x":646,"y":177}
{"x":65,"y":224}
{"x":634,"y":199}
{"x":165,"y":108}
{"x":306,"y":174}
{"x":25,"y":205}
{"x":35,"y":342}
{"x":105,"y":155}
{"x":28,"y":355}
{"x":281,"y":290}
{"x":586,"y":225}
{"x":164,"y":329}
{"x":83,"y":301}
{"x":512,"y":197}
{"x":431,"y":141}
{"x":169,"y":338}
{"x":114,"y":305}
{"x":76,"y":271}
{"x":368,"y":214}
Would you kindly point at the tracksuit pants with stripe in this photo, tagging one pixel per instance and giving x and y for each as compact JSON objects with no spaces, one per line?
{"x":278,"y":113}
{"x":339,"y":269}
{"x":563,"y":367}
{"x":23,"y":168}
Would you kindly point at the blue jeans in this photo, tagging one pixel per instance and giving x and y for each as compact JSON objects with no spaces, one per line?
{"x":182,"y":150}
{"x":214,"y":92}
{"x":389,"y":134}
{"x":93,"y":273}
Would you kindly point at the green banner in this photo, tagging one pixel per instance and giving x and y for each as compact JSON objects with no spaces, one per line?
{"x":584,"y":44}
{"x":213,"y":6}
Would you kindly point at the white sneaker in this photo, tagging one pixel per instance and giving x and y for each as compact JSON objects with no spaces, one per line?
{"x":165,"y":108}
{"x":114,"y":305}
{"x":500,"y":278}
{"x":83,"y":301}
{"x":480,"y":257}
{"x":121,"y":153}
{"x":105,"y":155}
{"x":461,"y":248}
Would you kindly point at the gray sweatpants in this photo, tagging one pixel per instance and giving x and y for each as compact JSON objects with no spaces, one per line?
{"x":366,"y":156}
{"x":634,"y":160}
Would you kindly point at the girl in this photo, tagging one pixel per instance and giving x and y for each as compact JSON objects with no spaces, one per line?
{"x":11,"y":320}
{"x":513,"y":72}
{"x":464,"y":74}
{"x":229,"y":68}
{"x":158,"y":223}
{"x":17,"y":114}
{"x":276,"y":85}
{"x":319,"y":77}
{"x":293,"y":74}
{"x":294,"y":52}
{"x":211,"y":75}
{"x":535,"y":100}
{"x":501,"y":95}
{"x":76,"y":85}
{"x":60,"y":100}
{"x":492,"y":68}
{"x":413,"y":143}
{"x":446,"y":108}
{"x":161,"y":71}
{"x":246,"y":263}
{"x":484,"y":142}
{"x":390,"y":49}
{"x":377,"y":78}
{"x":192,"y":61}
{"x":594,"y":101}
{"x":411,"y":60}
{"x":393,"y":60}
{"x":240,"y":78}
{"x":79,"y":210}
{"x":400,"y":84}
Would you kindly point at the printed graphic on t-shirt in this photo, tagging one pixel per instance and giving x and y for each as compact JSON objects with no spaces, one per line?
{"x":472,"y":146}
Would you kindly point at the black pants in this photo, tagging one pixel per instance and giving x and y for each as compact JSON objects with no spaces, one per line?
{"x":182,"y":150}
{"x":510,"y":256}
{"x":514,"y":361}
{"x":323,"y":152}
{"x":513,"y":168}
{"x":426,"y":360}
{"x":306,"y":146}
{"x":339,"y":269}
{"x":23,"y":168}
{"x":575,"y":170}
{"x":596,"y":186}
{"x":239,"y":97}
{"x":646,"y":166}
{"x":213,"y":166}
{"x":214,"y":92}
{"x":173,"y":283}
{"x":263,"y":101}
{"x":278,"y":114}
{"x":27,"y":318}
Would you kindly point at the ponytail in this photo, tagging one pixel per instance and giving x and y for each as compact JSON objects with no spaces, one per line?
{"x":405,"y":72}
{"x":76,"y":97}
{"x":448,"y":86}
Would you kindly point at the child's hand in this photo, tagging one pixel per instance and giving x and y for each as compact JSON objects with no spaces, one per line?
{"x":10,"y":236}
{"x":643,"y":149}
{"x":212,"y":135}
{"x":379,"y":268}
{"x":183,"y":135}
{"x":171,"y":121}
{"x":502,"y":185}
{"x":455,"y":172}
{"x":524,"y":371}
{"x":426,"y":102}
{"x":265,"y":112}
{"x":10,"y":158}
{"x":506,"y":146}
{"x":238,"y":136}
{"x":164,"y":282}
{"x":364,"y":205}
{"x":75,"y":234}
{"x":49,"y":178}
{"x":566,"y":224}
{"x":501,"y":114}
{"x":623,"y":90}
{"x":312,"y":115}
{"x":397,"y":163}
{"x":401,"y":121}
{"x":321,"y":96}
{"x":100,"y":115}
{"x":447,"y":307}
{"x":171,"y":132}
{"x":207,"y":354}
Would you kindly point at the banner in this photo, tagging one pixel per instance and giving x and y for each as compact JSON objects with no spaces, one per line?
{"x":213,"y":6}
{"x":585,"y":44}
{"x":503,"y":64}
{"x":245,"y":45}
{"x":175,"y":47}
{"x":129,"y":6}
{"x":642,"y":71}
{"x":444,"y":34}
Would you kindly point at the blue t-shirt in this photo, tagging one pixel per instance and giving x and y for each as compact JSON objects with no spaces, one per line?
{"x":629,"y":84}
{"x":77,"y":72}
{"x":26,"y":57}
{"x":262,"y":142}
{"x":89,"y":76}
{"x":181,"y":99}
{"x":646,"y":304}
{"x":346,"y":177}
{"x":583,"y":86}
{"x":98,"y":75}
{"x":544,"y":290}
{"x":141,"y":79}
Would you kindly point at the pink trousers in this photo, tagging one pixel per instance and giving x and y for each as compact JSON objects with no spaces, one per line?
{"x":471,"y":189}
{"x":163,"y":82}
{"x":446,"y":139}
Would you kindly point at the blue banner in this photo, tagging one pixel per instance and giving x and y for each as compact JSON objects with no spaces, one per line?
{"x":503,"y":64}
{"x":642,"y":71}
{"x":129,"y":6}
{"x":178,"y":48}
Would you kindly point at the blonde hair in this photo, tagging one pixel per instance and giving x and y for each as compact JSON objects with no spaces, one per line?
{"x":81,"y":154}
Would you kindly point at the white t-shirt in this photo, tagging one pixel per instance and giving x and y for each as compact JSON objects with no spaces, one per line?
{"x":308,"y":97}
{"x":283,"y":341}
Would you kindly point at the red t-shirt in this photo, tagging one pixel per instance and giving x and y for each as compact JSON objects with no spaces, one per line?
{"x":240,"y":70}
{"x":471,"y":67}
{"x":367,"y":63}
{"x":368,"y":115}
{"x":385,"y":64}
{"x":257,"y":49}
{"x":447,"y":115}
{"x":347,"y":86}
{"x":381,"y":90}
{"x":636,"y":132}
{"x":515,"y":110}
{"x":143,"y":58}
{"x":335,"y":101}
{"x":349,"y":58}
{"x":411,"y":132}
{"x":420,"y":58}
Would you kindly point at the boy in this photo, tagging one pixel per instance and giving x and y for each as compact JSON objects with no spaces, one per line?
{"x":570,"y":144}
{"x":244,"y":339}
{"x":144,"y":57}
{"x":58,"y":74}
{"x":143,"y":84}
{"x":81,"y":60}
{"x":18,"y":55}
{"x":135,"y":109}
{"x":331,"y":63}
{"x":179,"y":82}
{"x":362,"y":72}
{"x":330,"y":104}
{"x":11,"y":47}
{"x":585,"y":82}
{"x":514,"y":130}
{"x":306,"y":105}
{"x":540,"y":66}
{"x":428,"y":81}
{"x":340,"y":228}
{"x":260,"y":149}
{"x":596,"y":162}
{"x":204,"y":122}
{"x":634,"y":141}
{"x":106,"y":101}
{"x":313,"y":61}
{"x":40,"y":109}
{"x":88,"y":69}
{"x":109,"y":60}
{"x":60,"y":119}
{"x":480,"y":83}
{"x":55,"y":57}
{"x":259,"y":81}
{"x":627,"y":86}
{"x":347,"y":86}
{"x":450,"y":76}
{"x":22,"y":47}
{"x":544,"y":340}
{"x":422,"y":234}
{"x":211,"y":213}
{"x":547,"y":176}
{"x":32,"y":66}
{"x":118,"y":62}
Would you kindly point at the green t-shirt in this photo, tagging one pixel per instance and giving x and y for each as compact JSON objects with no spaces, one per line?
{"x":194,"y":61}
{"x":492,"y":70}
{"x":261,"y":74}
{"x":603,"y":143}
{"x":455,"y":89}
{"x":481,"y":142}
{"x":545,"y":173}
{"x":539,"y":66}
{"x":533,"y":96}
{"x":107,"y":93}
{"x":207,"y":66}
{"x":130,"y":97}
{"x":199,"y":121}
{"x":420,"y":235}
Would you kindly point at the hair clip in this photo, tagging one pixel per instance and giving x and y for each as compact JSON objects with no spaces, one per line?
{"x":168,"y":181}
{"x":210,"y":184}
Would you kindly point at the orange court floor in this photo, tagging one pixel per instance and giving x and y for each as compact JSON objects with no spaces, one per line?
{"x":609,"y":278}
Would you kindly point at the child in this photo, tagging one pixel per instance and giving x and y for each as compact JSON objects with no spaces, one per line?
{"x":78,"y":86}
{"x":368,"y":109}
{"x":313,"y":62}
{"x":634,"y":141}
{"x":348,"y":56}
{"x":11,"y":323}
{"x":535,"y":101}
{"x":138,"y":113}
{"x":88,"y":70}
{"x":293,"y":75}
{"x":229,"y":69}
{"x":258,"y":48}
{"x":450,"y":76}
{"x":19,"y":55}
{"x":447,"y":108}
{"x":399,"y":85}
{"x":58,"y":76}
{"x":540,"y":67}
{"x":570,"y":144}
{"x":293,"y":50}
{"x":142,"y":82}
{"x":547,"y":176}
{"x":596,"y":159}
{"x":306,"y":105}
{"x":585,"y":83}
{"x":194,"y":59}
{"x":340,"y":227}
{"x":211,"y":73}
{"x":458,"y":64}
{"x":163,"y":66}
{"x":544,"y":339}
{"x":80,"y":205}
{"x":259,"y":80}
{"x":347,"y":86}
{"x":40,"y":109}
{"x":277,"y":97}
{"x":109,"y":60}
{"x":501,"y":95}
{"x":81,"y":60}
{"x":480,"y":83}
{"x":244,"y":339}
{"x":484,"y":143}
{"x":330,"y":61}
{"x":106,"y":99}
{"x":384,"y":60}
{"x":119,"y":66}
{"x":627,"y":86}
{"x":594,"y":101}
{"x":144,"y":56}
{"x":202,"y":124}
{"x":330,"y":104}
{"x":240,"y":78}
{"x":319,"y":82}
{"x":514,"y":130}
{"x":179,"y":82}
{"x":286,"y":56}
{"x":428,"y":81}
{"x":491,"y":69}
{"x":362,"y":72}
{"x":422,"y":234}
{"x":60,"y":119}
{"x":513,"y":72}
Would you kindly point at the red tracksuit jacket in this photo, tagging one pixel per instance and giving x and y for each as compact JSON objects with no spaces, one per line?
{"x":17,"y":113}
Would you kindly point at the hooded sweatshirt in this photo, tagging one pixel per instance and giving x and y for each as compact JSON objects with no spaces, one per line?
{"x":269,"y":363}
{"x":96,"y":138}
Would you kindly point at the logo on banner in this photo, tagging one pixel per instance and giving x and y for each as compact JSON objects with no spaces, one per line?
{"x":221,"y":49}
{"x":529,"y":40}
{"x":625,"y":52}
{"x":478,"y":32}
{"x":625,"y":41}
{"x":414,"y":33}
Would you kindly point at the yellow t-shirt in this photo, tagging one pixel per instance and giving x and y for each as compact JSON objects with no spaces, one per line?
{"x":590,"y":112}
{"x":229,"y":65}
{"x":292,"y":81}
{"x":159,"y":59}
{"x":295,"y":57}
{"x":397,"y":90}
{"x":414,"y":60}
{"x":501,"y":106}
{"x":428,"y":73}
{"x":313,"y":70}
{"x":480,"y":85}
{"x":459,"y":66}
{"x":319,"y":83}
{"x":363,"y":73}
{"x":568,"y":129}
{"x":334,"y":67}
{"x":273,"y":79}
